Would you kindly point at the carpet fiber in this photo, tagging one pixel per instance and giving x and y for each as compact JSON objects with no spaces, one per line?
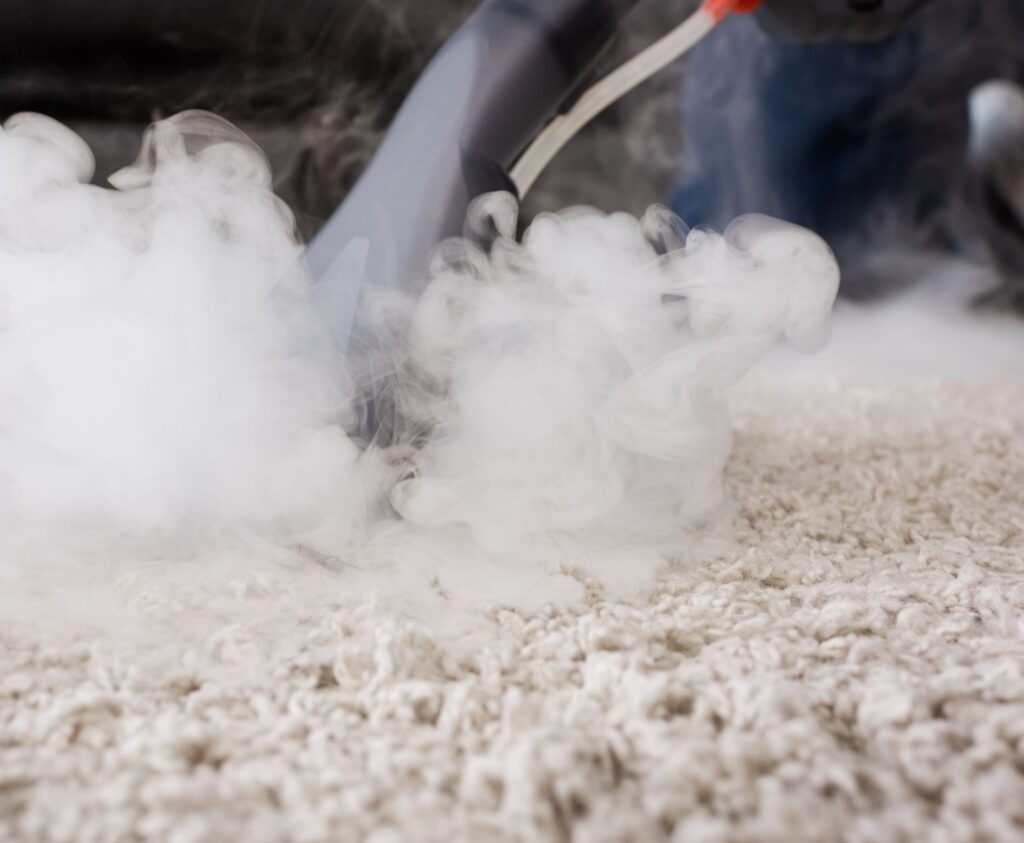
{"x":853,"y":669}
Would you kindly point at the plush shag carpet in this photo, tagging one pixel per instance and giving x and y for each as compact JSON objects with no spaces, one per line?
{"x":853,"y":669}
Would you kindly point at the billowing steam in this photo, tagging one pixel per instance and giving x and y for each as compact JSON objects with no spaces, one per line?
{"x":161,"y":372}
{"x":165,"y":381}
{"x":583,"y":373}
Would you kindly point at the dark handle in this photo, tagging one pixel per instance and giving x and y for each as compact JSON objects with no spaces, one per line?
{"x":485,"y":95}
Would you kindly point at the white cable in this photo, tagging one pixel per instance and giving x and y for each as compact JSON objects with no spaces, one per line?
{"x":597,"y":98}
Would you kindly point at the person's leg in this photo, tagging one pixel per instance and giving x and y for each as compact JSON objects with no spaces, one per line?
{"x":842,"y":138}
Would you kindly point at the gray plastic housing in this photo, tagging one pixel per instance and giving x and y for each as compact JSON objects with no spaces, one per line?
{"x":485,"y":95}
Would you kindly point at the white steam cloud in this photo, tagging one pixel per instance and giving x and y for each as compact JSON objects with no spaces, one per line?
{"x":165,"y":381}
{"x":583,"y":373}
{"x":161,"y":371}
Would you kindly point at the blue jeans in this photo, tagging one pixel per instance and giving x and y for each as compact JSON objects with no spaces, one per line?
{"x":846,"y":139}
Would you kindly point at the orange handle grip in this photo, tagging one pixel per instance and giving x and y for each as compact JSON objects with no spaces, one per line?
{"x":718,"y":9}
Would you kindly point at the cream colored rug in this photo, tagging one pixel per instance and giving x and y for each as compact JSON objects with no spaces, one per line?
{"x":852,"y":669}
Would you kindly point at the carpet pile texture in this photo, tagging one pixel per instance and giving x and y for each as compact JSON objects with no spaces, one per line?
{"x":851,"y":670}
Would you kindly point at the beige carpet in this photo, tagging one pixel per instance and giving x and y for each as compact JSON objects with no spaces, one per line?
{"x":852,"y":670}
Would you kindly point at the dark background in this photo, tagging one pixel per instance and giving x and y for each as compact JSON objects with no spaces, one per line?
{"x":314,"y":82}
